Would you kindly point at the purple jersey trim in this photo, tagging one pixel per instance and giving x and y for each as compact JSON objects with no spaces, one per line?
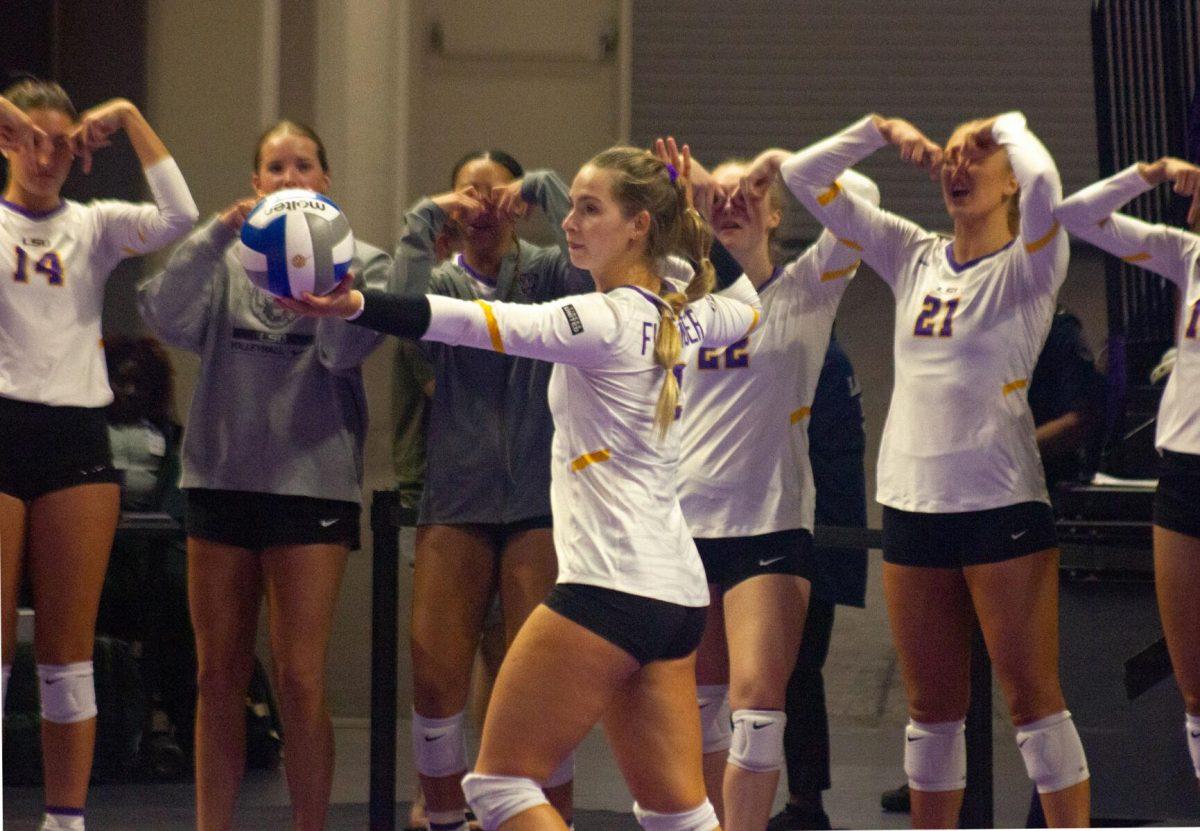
{"x":774,"y":276}
{"x":34,"y":214}
{"x":653,"y":300}
{"x":487,"y":281}
{"x":959,"y":268}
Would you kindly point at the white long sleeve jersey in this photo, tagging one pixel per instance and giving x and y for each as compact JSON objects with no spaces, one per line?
{"x":613,"y":489}
{"x":959,"y":434}
{"x":1170,"y":252}
{"x":53,"y":269}
{"x":745,"y":465}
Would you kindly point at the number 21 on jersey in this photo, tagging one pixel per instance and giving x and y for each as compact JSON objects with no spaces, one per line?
{"x":48,"y":264}
{"x":936,"y":318}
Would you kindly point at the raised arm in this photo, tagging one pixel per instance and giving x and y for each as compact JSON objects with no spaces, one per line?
{"x":814,"y":176}
{"x":130,"y":230}
{"x":417,"y":254}
{"x":832,"y":261}
{"x":1035,"y":172}
{"x":1091,"y":215}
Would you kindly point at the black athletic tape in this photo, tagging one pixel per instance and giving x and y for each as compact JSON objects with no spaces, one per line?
{"x":406,"y":316}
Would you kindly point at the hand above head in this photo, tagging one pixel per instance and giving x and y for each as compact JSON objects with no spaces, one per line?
{"x":915,"y":146}
{"x":234,"y":217}
{"x":701,"y":190}
{"x":1183,"y":176}
{"x":975,"y":141}
{"x":761,"y":172}
{"x":18,"y":132}
{"x":510,"y":203}
{"x":343,"y":301}
{"x":462,"y":206}
{"x":96,"y":127}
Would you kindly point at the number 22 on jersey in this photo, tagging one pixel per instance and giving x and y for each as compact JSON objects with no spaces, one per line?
{"x":48,"y":264}
{"x":936,"y":318}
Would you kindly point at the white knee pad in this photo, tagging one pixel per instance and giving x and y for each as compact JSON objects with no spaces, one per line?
{"x":439,"y":747}
{"x":1192,"y":725}
{"x":935,"y":755}
{"x":562,"y":774}
{"x":68,"y":692}
{"x":758,"y":740}
{"x":1053,"y":753}
{"x":495,"y":799}
{"x":700,"y":818}
{"x":715,"y":727}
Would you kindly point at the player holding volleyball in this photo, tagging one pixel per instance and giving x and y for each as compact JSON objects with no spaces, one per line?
{"x":1175,"y":254}
{"x":968,"y":531}
{"x":615,"y":641}
{"x":272,"y":469}
{"x":746,"y":487}
{"x":59,"y":493}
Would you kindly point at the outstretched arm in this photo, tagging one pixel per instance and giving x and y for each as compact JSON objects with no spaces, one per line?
{"x":813,"y":176}
{"x":1091,"y":215}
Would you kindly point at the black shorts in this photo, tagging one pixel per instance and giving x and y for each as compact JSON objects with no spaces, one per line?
{"x":730,"y":560}
{"x":648,"y":629}
{"x":970,"y":538}
{"x":45,"y":448}
{"x":261,"y":520}
{"x":1177,"y":500}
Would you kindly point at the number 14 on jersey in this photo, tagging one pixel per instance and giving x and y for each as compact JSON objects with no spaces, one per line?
{"x":48,"y":264}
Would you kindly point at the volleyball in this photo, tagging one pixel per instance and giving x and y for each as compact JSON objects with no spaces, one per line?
{"x":295,"y":241}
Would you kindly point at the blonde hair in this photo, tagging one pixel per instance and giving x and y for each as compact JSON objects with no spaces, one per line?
{"x":641,"y":182}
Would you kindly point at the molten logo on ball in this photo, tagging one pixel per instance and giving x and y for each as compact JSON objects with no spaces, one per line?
{"x":296,"y":241}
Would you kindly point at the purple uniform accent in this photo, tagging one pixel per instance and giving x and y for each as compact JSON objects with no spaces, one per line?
{"x":957,"y":268}
{"x":33,"y":214}
{"x":64,"y":812}
{"x":487,"y":281}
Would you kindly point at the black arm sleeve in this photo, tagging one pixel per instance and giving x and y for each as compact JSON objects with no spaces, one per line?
{"x":406,"y":316}
{"x":728,"y":269}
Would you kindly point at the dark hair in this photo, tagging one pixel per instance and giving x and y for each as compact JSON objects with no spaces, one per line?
{"x":498,"y":156}
{"x":142,"y":362}
{"x":32,"y":93}
{"x":286,"y":126}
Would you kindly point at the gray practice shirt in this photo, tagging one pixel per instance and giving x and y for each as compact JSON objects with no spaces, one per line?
{"x":488,"y":441}
{"x":279,"y":406}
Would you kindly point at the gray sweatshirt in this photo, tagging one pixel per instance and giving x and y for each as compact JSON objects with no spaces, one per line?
{"x":488,"y":441}
{"x":279,"y":406}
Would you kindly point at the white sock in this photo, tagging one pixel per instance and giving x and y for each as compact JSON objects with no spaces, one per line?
{"x":448,"y":820}
{"x":62,"y":819}
{"x":1192,"y":725}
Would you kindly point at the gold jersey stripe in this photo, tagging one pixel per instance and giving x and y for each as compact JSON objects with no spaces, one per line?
{"x":801,"y":413}
{"x":1039,"y":244}
{"x":753,"y":325}
{"x":849,"y":243}
{"x":129,"y":252}
{"x":493,"y":327}
{"x":593,"y":458}
{"x":829,"y":195}
{"x":1013,"y":386}
{"x":1138,"y":257}
{"x":841,"y":272}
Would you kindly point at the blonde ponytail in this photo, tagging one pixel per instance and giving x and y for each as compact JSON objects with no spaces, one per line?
{"x":642,"y":182}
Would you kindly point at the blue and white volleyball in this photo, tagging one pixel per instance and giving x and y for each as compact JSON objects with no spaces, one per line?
{"x":295,"y":241}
